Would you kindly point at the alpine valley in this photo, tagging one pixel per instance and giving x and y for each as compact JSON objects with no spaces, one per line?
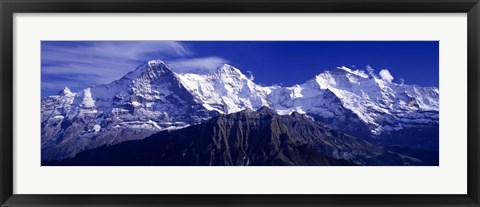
{"x":155,"y":116}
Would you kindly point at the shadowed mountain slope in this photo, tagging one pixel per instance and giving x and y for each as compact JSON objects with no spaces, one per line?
{"x":259,"y":138}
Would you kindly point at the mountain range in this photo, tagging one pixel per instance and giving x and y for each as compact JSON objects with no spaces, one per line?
{"x":154,"y":99}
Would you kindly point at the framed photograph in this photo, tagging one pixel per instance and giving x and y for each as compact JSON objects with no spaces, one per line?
{"x":239,"y":103}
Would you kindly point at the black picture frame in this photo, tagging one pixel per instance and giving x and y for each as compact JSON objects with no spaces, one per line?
{"x":9,"y":7}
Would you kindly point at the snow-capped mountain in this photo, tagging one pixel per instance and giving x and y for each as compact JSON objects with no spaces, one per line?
{"x":378,"y":103}
{"x":144,"y":101}
{"x":154,"y":98}
{"x":227,"y":90}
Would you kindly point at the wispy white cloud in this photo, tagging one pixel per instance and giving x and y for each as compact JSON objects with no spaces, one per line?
{"x":88,"y":52}
{"x":203,"y":65}
{"x":82,"y":63}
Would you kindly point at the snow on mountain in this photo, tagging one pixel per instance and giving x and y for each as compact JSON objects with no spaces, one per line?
{"x":144,"y":101}
{"x":227,"y":90}
{"x":153,"y":98}
{"x":378,"y":102}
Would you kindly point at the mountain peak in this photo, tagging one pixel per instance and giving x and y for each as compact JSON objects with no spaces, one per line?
{"x":156,"y":62}
{"x":227,"y":67}
{"x":66,"y":92}
{"x":229,"y":70}
{"x":156,"y":66}
{"x":265,"y":110}
{"x":296,"y":114}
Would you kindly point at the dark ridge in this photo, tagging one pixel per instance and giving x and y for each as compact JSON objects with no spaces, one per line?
{"x":241,"y":139}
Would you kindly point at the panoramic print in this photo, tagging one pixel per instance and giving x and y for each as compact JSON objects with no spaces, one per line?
{"x":240,"y":103}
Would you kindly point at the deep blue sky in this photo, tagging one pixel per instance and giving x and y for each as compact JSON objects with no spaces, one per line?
{"x":80,"y":64}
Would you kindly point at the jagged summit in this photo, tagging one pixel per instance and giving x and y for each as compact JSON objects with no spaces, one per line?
{"x":296,"y":114}
{"x":227,"y":68}
{"x":66,"y":92}
{"x":229,"y":72}
{"x":152,"y":68}
{"x":156,"y":62}
{"x":265,"y":110}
